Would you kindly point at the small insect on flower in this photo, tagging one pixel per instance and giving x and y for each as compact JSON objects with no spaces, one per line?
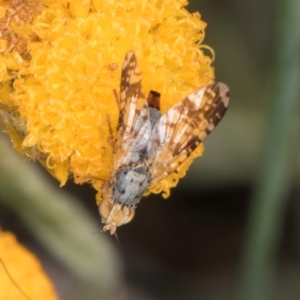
{"x":150,"y":146}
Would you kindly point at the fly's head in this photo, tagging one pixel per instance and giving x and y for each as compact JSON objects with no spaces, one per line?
{"x":114,"y":214}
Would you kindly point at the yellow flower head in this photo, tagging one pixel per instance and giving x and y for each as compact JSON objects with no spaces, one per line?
{"x":61,"y":60}
{"x":21,"y":274}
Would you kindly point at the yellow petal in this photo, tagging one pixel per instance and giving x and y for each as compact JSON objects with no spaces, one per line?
{"x":64,"y":59}
{"x":25,"y":270}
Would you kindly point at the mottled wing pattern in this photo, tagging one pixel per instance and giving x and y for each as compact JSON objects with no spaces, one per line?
{"x":133,"y":110}
{"x":185,"y":126}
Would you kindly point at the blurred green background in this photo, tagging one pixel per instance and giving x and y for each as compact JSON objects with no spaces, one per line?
{"x":231,"y":229}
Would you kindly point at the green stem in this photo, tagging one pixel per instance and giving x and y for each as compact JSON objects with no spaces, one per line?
{"x":61,"y":223}
{"x":267,"y":209}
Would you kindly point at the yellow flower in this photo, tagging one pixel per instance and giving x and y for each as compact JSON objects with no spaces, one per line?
{"x":21,"y":273}
{"x":61,"y":60}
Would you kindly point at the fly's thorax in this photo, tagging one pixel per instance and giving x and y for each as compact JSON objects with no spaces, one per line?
{"x":121,"y":194}
{"x":129,"y":184}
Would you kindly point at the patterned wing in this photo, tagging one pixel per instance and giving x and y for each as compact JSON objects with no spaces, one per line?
{"x":185,"y":126}
{"x":133,"y":115}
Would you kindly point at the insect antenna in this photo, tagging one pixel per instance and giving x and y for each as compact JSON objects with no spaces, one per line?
{"x":118,"y":239}
{"x":12,"y":280}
